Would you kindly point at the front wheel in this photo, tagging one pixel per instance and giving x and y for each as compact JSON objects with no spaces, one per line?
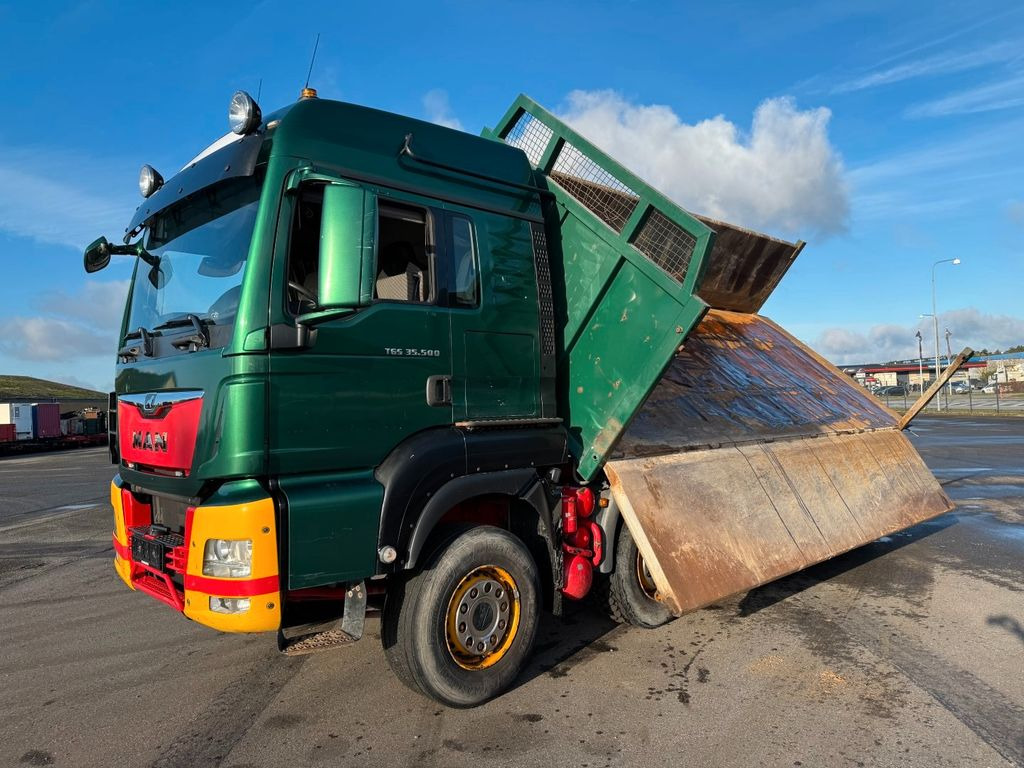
{"x":461,"y":629}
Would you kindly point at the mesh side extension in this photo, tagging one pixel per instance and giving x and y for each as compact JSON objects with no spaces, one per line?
{"x":596,"y":188}
{"x":666,"y":244}
{"x":547,"y":306}
{"x":530,"y":135}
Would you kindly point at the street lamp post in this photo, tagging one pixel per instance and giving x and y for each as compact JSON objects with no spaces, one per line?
{"x":949,"y":358}
{"x":935,"y":323}
{"x":920,"y":363}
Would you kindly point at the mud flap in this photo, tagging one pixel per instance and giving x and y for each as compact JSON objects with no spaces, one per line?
{"x":754,"y":458}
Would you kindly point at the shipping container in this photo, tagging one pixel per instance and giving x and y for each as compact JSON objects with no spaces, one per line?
{"x":7,"y":433}
{"x":20,"y":415}
{"x":45,"y":420}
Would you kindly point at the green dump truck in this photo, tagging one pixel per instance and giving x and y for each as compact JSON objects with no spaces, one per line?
{"x":371,"y":363}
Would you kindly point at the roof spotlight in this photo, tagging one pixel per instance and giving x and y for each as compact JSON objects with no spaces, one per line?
{"x":149,"y":180}
{"x":244,"y":115}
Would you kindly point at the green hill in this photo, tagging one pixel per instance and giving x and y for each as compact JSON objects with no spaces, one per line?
{"x":28,"y":388}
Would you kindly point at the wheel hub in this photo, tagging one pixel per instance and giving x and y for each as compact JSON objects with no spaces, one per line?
{"x":483,"y":616}
{"x":643,"y":575}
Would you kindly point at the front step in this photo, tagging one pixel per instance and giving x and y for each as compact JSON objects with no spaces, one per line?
{"x":310,"y":638}
{"x":317,"y":641}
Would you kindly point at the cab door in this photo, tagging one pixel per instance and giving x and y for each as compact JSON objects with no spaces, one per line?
{"x":492,"y":291}
{"x":364,"y":379}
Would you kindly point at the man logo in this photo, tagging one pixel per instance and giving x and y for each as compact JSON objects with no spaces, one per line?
{"x":150,"y":441}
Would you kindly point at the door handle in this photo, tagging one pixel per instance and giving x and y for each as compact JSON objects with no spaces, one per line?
{"x":439,"y":391}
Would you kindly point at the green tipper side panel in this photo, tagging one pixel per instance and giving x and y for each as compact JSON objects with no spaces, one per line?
{"x":624,"y":262}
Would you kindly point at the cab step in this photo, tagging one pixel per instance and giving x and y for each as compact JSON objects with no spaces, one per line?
{"x":311,"y":638}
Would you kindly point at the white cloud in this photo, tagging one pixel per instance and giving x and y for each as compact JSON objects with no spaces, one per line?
{"x":783,"y":176}
{"x":969,"y":327}
{"x":51,"y":338}
{"x":943,"y":63}
{"x":72,"y":327}
{"x":999,"y":94}
{"x":439,"y":110}
{"x":60,"y":198}
{"x":98,"y":304}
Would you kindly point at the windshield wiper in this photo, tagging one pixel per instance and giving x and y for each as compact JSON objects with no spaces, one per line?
{"x":199,"y":339}
{"x":129,"y":353}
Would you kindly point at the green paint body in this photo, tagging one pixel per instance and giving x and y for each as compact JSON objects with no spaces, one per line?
{"x":316,"y":421}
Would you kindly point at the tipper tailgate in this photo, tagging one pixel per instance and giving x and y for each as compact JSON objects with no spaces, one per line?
{"x":754,"y":458}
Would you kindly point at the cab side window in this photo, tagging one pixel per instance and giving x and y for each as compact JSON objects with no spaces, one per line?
{"x":405,"y":263}
{"x":463,"y":291}
{"x":304,"y":251}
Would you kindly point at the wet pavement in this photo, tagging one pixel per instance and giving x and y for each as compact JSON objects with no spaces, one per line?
{"x":906,"y":652}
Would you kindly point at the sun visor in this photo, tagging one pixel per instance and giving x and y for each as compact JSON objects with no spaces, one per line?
{"x":231,"y":161}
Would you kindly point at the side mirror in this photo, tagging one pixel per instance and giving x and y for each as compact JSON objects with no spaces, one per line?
{"x":97,"y":255}
{"x":347,"y":229}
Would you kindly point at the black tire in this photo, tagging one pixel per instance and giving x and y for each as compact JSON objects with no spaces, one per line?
{"x":414,"y":626}
{"x":628,"y":601}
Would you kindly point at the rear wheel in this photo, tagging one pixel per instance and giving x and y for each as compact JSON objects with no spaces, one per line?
{"x":461,"y":629}
{"x":632,"y":593}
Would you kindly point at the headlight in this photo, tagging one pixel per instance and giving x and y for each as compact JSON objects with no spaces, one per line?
{"x":244,"y":115}
{"x":149,"y":180}
{"x":230,"y":558}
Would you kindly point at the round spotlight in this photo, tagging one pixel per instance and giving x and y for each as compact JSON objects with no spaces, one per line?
{"x":149,"y":180}
{"x":244,"y":115}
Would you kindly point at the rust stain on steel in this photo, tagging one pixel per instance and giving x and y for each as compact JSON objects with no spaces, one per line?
{"x":744,"y":267}
{"x":717,"y":522}
{"x":740,"y":378}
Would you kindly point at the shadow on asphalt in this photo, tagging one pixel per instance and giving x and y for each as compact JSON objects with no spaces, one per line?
{"x":776,"y":591}
{"x":1012,"y":626}
{"x":564,"y":642}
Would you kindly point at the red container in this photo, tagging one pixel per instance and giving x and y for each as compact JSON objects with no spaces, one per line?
{"x":45,"y":420}
{"x":7,"y":433}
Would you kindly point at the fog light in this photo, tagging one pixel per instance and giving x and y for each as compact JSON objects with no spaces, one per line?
{"x":229,"y":604}
{"x":244,"y":115}
{"x":230,"y":558}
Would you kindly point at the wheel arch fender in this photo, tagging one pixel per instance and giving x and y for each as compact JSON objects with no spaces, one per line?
{"x":522,"y":485}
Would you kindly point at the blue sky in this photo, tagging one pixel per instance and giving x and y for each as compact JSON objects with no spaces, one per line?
{"x":886,"y":135}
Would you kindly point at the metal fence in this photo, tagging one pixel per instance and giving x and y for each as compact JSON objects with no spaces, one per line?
{"x":972,"y":401}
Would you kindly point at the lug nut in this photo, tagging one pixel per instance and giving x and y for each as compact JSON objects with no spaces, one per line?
{"x":473,"y":592}
{"x":462,"y":626}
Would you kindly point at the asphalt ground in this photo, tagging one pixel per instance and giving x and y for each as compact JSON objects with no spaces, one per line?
{"x":906,"y":652}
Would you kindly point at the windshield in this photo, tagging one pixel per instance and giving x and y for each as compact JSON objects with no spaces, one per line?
{"x":202,"y":245}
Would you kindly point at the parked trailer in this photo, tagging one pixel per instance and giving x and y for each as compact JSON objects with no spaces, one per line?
{"x":20,"y":416}
{"x":52,"y":430}
{"x":45,"y":421}
{"x":460,"y":379}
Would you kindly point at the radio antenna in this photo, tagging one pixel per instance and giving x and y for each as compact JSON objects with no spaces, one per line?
{"x":259,"y":90}
{"x":313,"y":59}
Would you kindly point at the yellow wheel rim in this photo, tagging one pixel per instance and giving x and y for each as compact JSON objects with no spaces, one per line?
{"x":483,"y":617}
{"x":643,"y":575}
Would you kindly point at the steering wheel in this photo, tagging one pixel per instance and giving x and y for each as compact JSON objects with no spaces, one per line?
{"x":303,"y":292}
